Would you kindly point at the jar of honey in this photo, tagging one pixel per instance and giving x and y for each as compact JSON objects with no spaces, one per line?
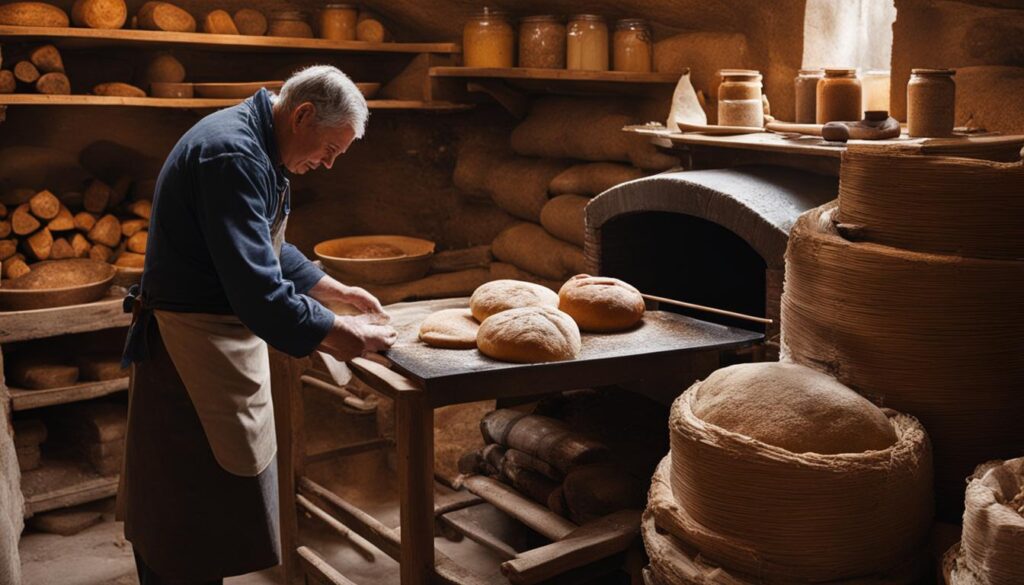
{"x":289,"y":23}
{"x":338,"y":22}
{"x":739,"y":98}
{"x":931,"y":103}
{"x":631,"y":46}
{"x":542,"y":42}
{"x":488,"y":40}
{"x":587,"y":43}
{"x":839,"y":96}
{"x":806,"y":92}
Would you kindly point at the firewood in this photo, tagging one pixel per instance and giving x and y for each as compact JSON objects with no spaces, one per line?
{"x":40,"y":244}
{"x":5,"y":228}
{"x":80,"y":244}
{"x":14,"y":268}
{"x":250,"y":22}
{"x":494,"y":454}
{"x":104,"y":14}
{"x":47,"y":59}
{"x":525,"y":461}
{"x":120,"y":189}
{"x":44,"y":205}
{"x":8,"y":249}
{"x":63,"y":222}
{"x":107,"y":231}
{"x":219,"y":22}
{"x":101,"y":252}
{"x":33,"y":14}
{"x":54,"y":84}
{"x":84,"y":221}
{"x":22,"y":220}
{"x":129,"y":227}
{"x":142,"y":208}
{"x":546,"y":438}
{"x":26,"y":72}
{"x":118,"y":89}
{"x":130,"y":260}
{"x":3,"y":210}
{"x":61,"y":249}
{"x":97,"y":196}
{"x":528,"y":482}
{"x":71,"y":199}
{"x":7,"y":82}
{"x":137,"y":243}
{"x":165,"y":16}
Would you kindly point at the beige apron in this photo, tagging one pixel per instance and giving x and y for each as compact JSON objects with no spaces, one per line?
{"x":226,"y":371}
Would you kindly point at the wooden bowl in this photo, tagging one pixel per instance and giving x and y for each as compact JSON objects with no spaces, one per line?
{"x":233,"y":90}
{"x":163,"y":89}
{"x":368,"y":89}
{"x":367,"y":259}
{"x":57,"y":283}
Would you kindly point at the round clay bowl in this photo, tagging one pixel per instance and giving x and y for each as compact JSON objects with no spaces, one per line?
{"x":57,"y":283}
{"x":347,"y":258}
{"x":368,"y":89}
{"x":163,"y":89}
{"x":233,"y":90}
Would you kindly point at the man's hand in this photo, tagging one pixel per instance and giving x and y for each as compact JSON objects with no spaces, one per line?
{"x":353,"y":335}
{"x":329,"y":290}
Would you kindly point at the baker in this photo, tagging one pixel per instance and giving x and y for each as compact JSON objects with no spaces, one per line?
{"x":199,"y":488}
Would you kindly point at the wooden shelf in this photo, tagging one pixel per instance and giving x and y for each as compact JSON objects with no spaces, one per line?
{"x":40,"y":323}
{"x":22,"y":399}
{"x":31,"y":99}
{"x":64,"y":481}
{"x":563,"y":80}
{"x":86,"y":37}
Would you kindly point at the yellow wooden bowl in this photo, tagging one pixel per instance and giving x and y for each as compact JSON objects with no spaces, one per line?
{"x":376,"y":259}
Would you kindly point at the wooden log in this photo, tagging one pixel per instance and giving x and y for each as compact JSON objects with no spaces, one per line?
{"x":118,"y":89}
{"x":61,"y":249}
{"x":587,"y":544}
{"x":80,"y":245}
{"x":3,"y":210}
{"x":129,"y":227}
{"x":526,"y":511}
{"x":5,"y":228}
{"x":166,"y":17}
{"x":26,"y":72}
{"x":63,"y":222}
{"x":526,"y":461}
{"x":130,"y":260}
{"x":44,"y":205}
{"x":84,"y":221}
{"x":101,"y":252}
{"x":249,"y":21}
{"x":494,"y":455}
{"x":543,"y":437}
{"x":219,"y":22}
{"x":364,"y":548}
{"x":123,"y":185}
{"x":8,"y":248}
{"x":33,"y":14}
{"x":593,"y":491}
{"x":15,"y":267}
{"x":54,"y":84}
{"x":107,"y":231}
{"x":40,"y":244}
{"x":142,"y":208}
{"x":104,"y":14}
{"x":528,"y":482}
{"x":359,"y":521}
{"x":8,"y":83}
{"x":97,"y":196}
{"x":47,"y":59}
{"x":319,"y":570}
{"x":22,"y":220}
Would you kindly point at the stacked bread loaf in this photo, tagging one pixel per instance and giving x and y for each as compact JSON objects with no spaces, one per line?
{"x":95,"y":431}
{"x":905,"y":291}
{"x":779,"y":474}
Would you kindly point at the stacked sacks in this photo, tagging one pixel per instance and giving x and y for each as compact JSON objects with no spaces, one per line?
{"x":779,"y":474}
{"x":929,"y":332}
{"x":992,"y":549}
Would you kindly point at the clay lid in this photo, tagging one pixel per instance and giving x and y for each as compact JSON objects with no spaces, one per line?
{"x":840,"y":71}
{"x":935,"y":72}
{"x":740,"y":75}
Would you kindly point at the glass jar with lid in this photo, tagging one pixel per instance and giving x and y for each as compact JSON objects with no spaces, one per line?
{"x":338,"y":22}
{"x":289,"y":23}
{"x":739,"y":98}
{"x":931,"y":102}
{"x":587,"y":43}
{"x":839,"y":96}
{"x":488,"y":40}
{"x":631,"y":45}
{"x":805,"y":88}
{"x":542,"y":42}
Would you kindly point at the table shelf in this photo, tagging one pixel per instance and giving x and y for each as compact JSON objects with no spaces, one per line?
{"x":64,"y":481}
{"x":22,"y":399}
{"x":106,"y":313}
{"x":199,"y":103}
{"x":561,"y":81}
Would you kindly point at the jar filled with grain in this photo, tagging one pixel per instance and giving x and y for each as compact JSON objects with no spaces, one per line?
{"x":542,"y":42}
{"x":875,"y":90}
{"x":839,"y":96}
{"x":805,"y":86}
{"x":631,"y":46}
{"x":587,"y":43}
{"x":338,"y":22}
{"x":931,"y":102}
{"x":488,"y":40}
{"x":289,"y":23}
{"x":739,"y":98}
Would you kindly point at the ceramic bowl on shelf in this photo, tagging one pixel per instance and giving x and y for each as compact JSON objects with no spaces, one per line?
{"x":57,"y":283}
{"x":233,"y":90}
{"x":376,"y":259}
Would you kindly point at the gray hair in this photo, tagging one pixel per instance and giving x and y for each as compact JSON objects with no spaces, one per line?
{"x":337,"y":99}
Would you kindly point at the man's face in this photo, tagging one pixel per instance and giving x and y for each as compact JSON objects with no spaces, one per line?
{"x":313,"y":145}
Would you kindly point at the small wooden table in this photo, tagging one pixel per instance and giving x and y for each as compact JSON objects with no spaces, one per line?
{"x":423,"y":378}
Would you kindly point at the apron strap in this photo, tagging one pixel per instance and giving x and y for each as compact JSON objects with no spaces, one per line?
{"x":135,"y":345}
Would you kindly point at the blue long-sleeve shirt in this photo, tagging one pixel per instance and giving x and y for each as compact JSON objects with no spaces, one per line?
{"x":210,"y":246}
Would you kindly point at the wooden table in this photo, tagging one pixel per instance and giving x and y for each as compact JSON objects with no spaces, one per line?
{"x":422,"y":378}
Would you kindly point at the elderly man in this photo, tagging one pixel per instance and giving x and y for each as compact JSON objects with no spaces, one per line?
{"x":199,"y":489}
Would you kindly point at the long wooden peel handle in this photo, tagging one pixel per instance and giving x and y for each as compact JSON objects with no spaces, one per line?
{"x":707,"y":309}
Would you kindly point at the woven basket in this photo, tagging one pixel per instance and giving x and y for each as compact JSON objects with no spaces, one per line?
{"x":938,"y":337}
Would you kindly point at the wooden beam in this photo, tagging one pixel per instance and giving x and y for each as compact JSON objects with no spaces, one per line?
{"x":471,"y":529}
{"x":527,"y":511}
{"x":381,"y":379}
{"x":359,"y":521}
{"x":317,"y":568}
{"x":359,"y":543}
{"x":414,"y":423}
{"x":346,"y":450}
{"x":286,"y":391}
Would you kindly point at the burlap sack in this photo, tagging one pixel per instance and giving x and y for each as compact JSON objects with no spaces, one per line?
{"x":564,"y":217}
{"x":591,"y":129}
{"x":506,"y":271}
{"x":936,"y":204}
{"x":530,"y":248}
{"x":796,"y":517}
{"x":592,"y":178}
{"x":516,"y":184}
{"x":474,"y":157}
{"x":937,"y":337}
{"x":475,"y":223}
{"x":992,"y":549}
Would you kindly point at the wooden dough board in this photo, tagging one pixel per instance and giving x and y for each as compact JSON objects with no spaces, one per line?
{"x":452,"y":376}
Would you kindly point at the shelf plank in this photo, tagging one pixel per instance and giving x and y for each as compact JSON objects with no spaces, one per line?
{"x":86,"y":37}
{"x":39,"y":323}
{"x":62,"y":482}
{"x":22,"y":399}
{"x":199,"y":103}
{"x":567,"y":75}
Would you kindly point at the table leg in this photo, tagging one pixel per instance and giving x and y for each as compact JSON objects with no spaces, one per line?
{"x":415,"y":438}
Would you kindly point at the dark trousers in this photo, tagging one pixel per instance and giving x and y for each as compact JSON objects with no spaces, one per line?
{"x":148,"y":577}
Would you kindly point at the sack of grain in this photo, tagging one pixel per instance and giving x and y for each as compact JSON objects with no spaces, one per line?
{"x":592,"y":178}
{"x":530,"y":248}
{"x":564,"y":217}
{"x":475,"y":223}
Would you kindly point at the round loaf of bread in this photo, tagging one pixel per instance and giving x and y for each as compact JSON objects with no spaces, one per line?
{"x":601,"y":303}
{"x":793,"y":407}
{"x":529,"y":335}
{"x":501,"y":295}
{"x":450,"y":329}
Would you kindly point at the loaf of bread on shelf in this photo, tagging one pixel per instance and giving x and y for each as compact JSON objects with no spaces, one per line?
{"x":106,"y":14}
{"x":47,"y":59}
{"x":33,"y":14}
{"x":250,"y":21}
{"x":501,"y":295}
{"x":118,"y":89}
{"x":166,"y":17}
{"x":54,"y":83}
{"x":529,"y":335}
{"x":219,"y":22}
